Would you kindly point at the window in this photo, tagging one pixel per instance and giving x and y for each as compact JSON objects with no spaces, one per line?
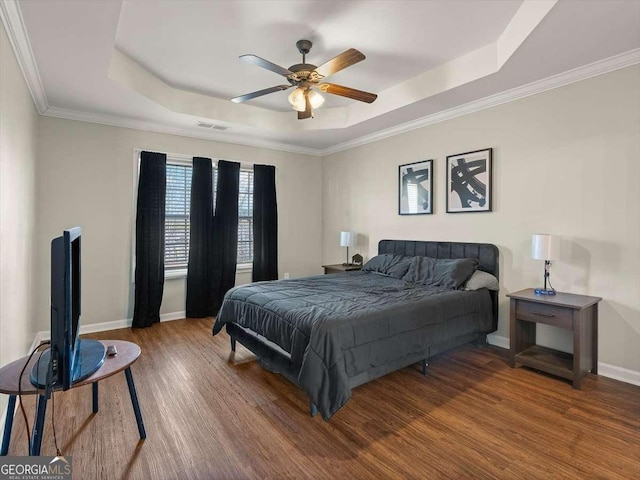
{"x":177,"y":216}
{"x":176,"y":236}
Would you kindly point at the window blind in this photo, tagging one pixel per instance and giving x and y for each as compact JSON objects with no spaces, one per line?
{"x":177,"y":215}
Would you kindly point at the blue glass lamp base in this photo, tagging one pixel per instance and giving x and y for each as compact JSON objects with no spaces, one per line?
{"x":91,"y":356}
{"x":542,"y":291}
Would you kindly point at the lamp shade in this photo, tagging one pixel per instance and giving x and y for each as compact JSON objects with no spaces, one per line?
{"x":347,"y":239}
{"x":296,"y":99}
{"x":315,"y":99}
{"x":545,"y":247}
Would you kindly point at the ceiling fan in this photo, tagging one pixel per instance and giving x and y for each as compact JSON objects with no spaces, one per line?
{"x":308,"y":78}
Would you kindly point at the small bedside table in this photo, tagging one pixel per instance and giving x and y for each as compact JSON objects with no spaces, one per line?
{"x":340,"y":268}
{"x":575,"y":312}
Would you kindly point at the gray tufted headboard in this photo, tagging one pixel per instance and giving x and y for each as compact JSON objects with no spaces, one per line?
{"x":485,"y":253}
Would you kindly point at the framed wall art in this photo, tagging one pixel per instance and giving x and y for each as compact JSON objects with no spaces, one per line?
{"x":415,"y":188}
{"x":469,"y":187}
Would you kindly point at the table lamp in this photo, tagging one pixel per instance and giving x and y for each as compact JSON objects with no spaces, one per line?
{"x":347,"y":239}
{"x":545,"y":247}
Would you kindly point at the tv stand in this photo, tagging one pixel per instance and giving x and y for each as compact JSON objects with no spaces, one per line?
{"x":91,"y":355}
{"x":12,"y":384}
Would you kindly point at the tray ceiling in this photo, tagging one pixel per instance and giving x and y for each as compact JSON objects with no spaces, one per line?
{"x":167,"y":65}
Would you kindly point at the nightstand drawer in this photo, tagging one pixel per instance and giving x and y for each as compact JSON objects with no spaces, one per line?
{"x":541,"y":313}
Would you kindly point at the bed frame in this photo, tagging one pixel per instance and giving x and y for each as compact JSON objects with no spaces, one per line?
{"x":274,"y":359}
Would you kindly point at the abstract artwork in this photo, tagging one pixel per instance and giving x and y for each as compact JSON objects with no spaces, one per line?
{"x":469,"y":186}
{"x":416,"y":188}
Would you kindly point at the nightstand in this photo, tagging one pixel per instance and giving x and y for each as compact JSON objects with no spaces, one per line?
{"x":578,"y":313}
{"x":340,"y":268}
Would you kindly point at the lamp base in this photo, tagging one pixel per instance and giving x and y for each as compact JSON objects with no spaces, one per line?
{"x":544,"y":291}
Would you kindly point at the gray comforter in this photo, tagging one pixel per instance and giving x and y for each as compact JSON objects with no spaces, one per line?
{"x":327,"y":324}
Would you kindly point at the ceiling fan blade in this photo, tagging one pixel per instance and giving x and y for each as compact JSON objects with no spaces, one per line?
{"x":259,"y":93}
{"x":342,"y":61}
{"x":307,"y":110}
{"x":348,"y":92}
{"x":261,"y":62}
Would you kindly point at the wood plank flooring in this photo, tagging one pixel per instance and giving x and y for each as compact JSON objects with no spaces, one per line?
{"x":211,"y":415}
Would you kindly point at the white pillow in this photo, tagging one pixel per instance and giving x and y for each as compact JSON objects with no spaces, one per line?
{"x":481,"y":279}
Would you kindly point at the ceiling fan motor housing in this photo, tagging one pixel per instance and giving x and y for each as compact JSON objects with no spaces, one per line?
{"x":303,"y":72}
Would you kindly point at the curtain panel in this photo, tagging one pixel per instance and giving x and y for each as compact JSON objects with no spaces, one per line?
{"x":150,"y":226}
{"x":265,"y":224}
{"x":200,"y":269}
{"x":225,"y":231}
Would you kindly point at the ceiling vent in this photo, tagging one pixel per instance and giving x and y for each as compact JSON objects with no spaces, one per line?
{"x":212,"y":126}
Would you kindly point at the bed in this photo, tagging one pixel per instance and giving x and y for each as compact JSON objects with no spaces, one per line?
{"x":330,"y":333}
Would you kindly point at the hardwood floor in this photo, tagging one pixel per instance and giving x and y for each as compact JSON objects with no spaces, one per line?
{"x":211,"y":415}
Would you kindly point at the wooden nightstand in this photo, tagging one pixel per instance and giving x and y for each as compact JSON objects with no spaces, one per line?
{"x":575,"y":312}
{"x":340,"y":268}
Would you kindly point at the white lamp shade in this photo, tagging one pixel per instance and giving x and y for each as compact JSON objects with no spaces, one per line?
{"x":296,"y":99}
{"x":315,"y":99}
{"x":545,"y":247}
{"x":347,"y":239}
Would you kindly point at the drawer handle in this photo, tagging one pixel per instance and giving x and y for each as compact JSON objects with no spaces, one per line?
{"x":544,"y":314}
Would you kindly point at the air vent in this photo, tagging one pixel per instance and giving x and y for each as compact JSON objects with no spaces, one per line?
{"x":212,"y":126}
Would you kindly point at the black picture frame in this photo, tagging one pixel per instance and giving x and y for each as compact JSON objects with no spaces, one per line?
{"x":470,"y":181}
{"x":415,"y":188}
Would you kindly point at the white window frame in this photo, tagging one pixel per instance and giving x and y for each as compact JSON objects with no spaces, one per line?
{"x":173,"y":159}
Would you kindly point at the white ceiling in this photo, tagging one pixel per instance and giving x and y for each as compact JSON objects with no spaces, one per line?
{"x":165,"y":65}
{"x":203,"y":57}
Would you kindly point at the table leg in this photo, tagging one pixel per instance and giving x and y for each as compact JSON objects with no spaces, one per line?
{"x":134,"y":401}
{"x":38,"y":427}
{"x":8,"y":424}
{"x":594,"y":339}
{"x":94,"y":391}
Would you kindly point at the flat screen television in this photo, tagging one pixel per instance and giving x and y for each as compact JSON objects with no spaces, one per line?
{"x":68,"y":359}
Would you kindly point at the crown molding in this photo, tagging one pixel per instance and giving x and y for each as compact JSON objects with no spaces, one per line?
{"x":600,"y":67}
{"x":16,"y":31}
{"x":116,"y":121}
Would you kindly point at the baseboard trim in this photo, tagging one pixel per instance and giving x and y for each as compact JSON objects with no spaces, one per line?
{"x":106,"y":326}
{"x":604,"y":369}
{"x":498,"y":341}
{"x":91,"y":328}
{"x":625,"y":375}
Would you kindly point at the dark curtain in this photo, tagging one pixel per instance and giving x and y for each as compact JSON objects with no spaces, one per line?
{"x":225,"y":231}
{"x":200,"y":270}
{"x":149,"y":276}
{"x":265,"y":224}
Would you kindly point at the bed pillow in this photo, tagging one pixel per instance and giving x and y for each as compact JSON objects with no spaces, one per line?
{"x":481,"y":279}
{"x":386,"y":264}
{"x":440,"y":272}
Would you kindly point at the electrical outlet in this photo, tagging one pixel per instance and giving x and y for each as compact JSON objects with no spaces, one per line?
{"x":286,"y":276}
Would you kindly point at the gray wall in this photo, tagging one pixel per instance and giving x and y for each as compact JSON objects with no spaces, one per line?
{"x":566,"y":162}
{"x":18,"y":131}
{"x":85,"y":178}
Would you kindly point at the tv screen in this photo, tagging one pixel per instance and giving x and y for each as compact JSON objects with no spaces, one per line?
{"x":68,"y":359}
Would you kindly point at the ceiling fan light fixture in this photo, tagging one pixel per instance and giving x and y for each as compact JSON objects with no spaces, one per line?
{"x":296,"y":99}
{"x":315,"y":99}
